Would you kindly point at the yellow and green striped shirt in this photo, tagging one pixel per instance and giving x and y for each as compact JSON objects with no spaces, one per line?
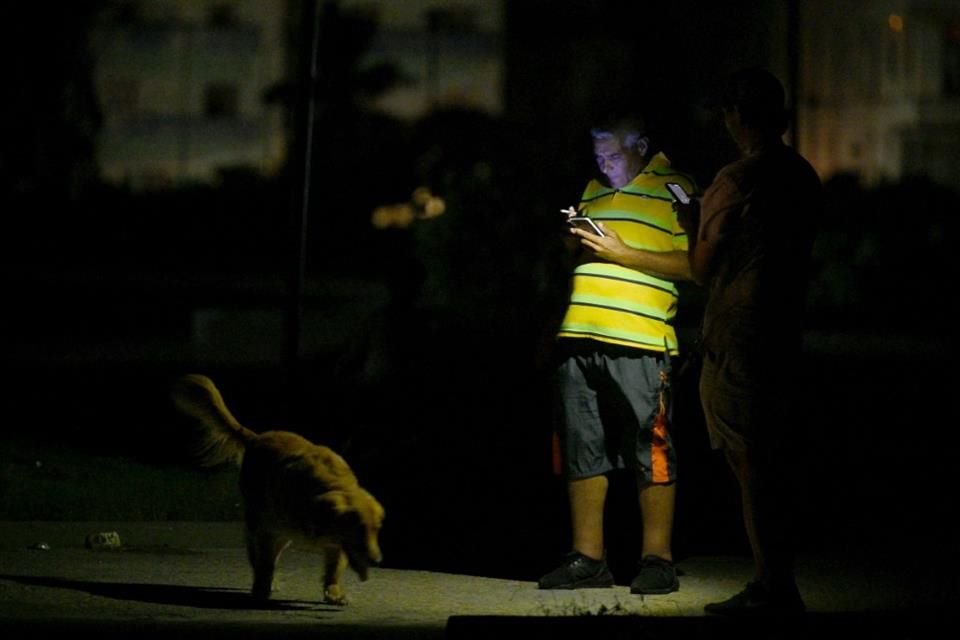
{"x":623,"y":306}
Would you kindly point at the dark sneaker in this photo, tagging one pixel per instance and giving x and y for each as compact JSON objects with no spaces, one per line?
{"x":578,"y":572}
{"x":755,"y":600}
{"x":656,"y":576}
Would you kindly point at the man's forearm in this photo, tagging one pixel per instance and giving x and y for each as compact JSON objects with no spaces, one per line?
{"x":669,"y":265}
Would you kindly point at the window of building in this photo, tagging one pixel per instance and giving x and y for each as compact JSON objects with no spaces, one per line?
{"x":951,"y":59}
{"x":221,"y":101}
{"x":154,"y":179}
{"x":120,"y":97}
{"x":127,"y":13}
{"x":894,"y":49}
{"x":222,"y":14}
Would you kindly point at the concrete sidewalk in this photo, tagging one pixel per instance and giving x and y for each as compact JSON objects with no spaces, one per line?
{"x":186,"y":579}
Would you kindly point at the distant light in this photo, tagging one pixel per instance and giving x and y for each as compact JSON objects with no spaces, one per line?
{"x":895,"y":22}
{"x":428,"y":205}
{"x":393,"y":215}
{"x":423,"y":204}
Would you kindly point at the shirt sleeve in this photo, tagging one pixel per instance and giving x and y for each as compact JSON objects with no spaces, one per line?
{"x":721,"y":198}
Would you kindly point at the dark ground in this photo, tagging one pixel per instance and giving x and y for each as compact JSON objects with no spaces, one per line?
{"x":467,"y":453}
{"x":444,"y":417}
{"x":456,"y":445}
{"x":190,"y":579}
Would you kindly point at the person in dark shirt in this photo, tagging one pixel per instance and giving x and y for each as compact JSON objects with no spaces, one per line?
{"x":750,"y":241}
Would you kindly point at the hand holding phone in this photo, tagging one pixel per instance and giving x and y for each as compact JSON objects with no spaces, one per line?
{"x":678,"y":193}
{"x":580,"y":221}
{"x":688,"y":210}
{"x":585,"y":223}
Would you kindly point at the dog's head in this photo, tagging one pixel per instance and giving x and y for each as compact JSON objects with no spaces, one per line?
{"x":358,"y":517}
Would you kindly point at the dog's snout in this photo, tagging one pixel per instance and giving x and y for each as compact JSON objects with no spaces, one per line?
{"x":374,"y":554}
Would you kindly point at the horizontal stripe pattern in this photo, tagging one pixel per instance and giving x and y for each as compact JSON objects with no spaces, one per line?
{"x":623,"y":306}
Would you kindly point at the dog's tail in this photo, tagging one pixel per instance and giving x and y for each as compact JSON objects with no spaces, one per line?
{"x":221,"y":439}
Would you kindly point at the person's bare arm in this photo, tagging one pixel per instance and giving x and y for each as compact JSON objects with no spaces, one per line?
{"x":669,"y":265}
{"x":700,"y":254}
{"x":704,"y":227}
{"x":701,"y":259}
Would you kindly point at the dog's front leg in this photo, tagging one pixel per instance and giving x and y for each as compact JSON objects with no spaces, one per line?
{"x":335,"y":561}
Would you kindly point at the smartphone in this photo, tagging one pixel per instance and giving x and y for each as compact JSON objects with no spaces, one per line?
{"x":678,"y":193}
{"x":583,"y":222}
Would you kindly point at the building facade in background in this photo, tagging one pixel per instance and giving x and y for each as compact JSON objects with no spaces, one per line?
{"x":182,"y":86}
{"x":182,"y":83}
{"x":880,"y":89}
{"x":449,"y":54}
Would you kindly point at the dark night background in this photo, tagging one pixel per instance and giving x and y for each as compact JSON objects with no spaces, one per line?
{"x":428,"y":368}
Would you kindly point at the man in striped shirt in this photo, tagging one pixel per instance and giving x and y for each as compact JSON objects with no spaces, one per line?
{"x":614,"y":344}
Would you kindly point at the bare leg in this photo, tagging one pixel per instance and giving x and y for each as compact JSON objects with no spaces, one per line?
{"x":587,"y":498}
{"x":764,"y":512}
{"x":657,"y":507}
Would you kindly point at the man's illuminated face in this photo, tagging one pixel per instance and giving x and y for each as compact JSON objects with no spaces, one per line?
{"x":619,"y":164}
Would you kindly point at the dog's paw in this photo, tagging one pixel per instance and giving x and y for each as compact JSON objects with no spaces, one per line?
{"x":334,"y":595}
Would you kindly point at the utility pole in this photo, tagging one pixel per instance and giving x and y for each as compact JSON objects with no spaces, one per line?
{"x":305,"y":109}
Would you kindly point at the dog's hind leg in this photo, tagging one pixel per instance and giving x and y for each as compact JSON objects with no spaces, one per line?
{"x":334,"y":564}
{"x":263,"y":551}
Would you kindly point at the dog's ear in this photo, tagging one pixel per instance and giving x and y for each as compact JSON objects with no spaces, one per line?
{"x":336,"y":501}
{"x":355,"y":505}
{"x":371,"y":507}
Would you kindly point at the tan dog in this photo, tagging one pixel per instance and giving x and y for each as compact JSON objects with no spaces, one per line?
{"x":292,"y":490}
